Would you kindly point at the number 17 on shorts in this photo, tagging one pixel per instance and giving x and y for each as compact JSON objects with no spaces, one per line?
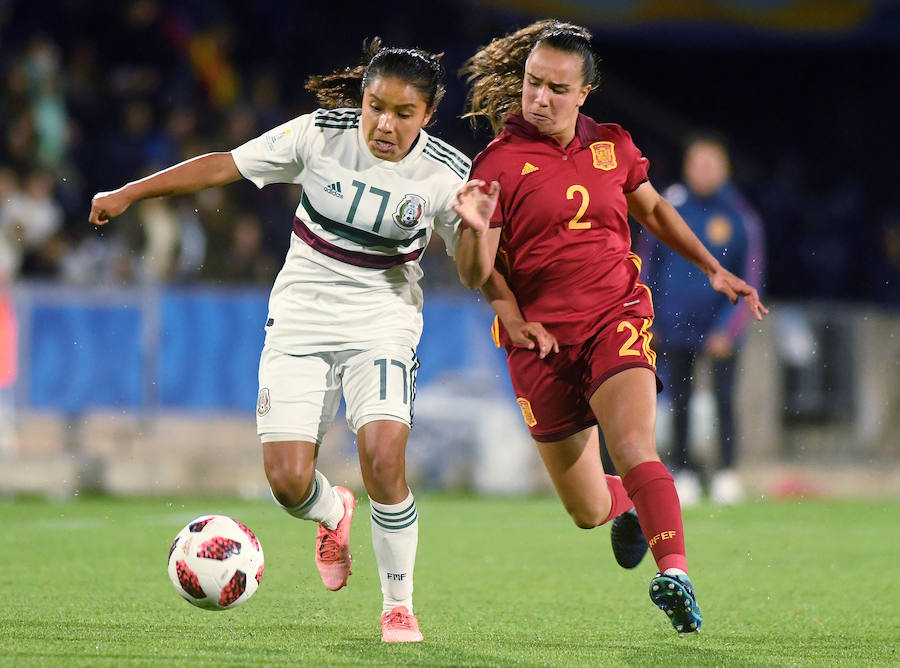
{"x":300,"y":395}
{"x":381,"y":384}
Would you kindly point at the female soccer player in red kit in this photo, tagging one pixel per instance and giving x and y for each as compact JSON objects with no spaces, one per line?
{"x":546,"y":239}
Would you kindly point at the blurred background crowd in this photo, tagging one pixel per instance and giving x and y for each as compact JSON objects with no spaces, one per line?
{"x":158,"y":315}
{"x":98,"y":93}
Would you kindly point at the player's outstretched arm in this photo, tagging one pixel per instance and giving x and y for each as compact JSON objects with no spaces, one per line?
{"x":661,"y":219}
{"x":477,"y":247}
{"x":190,"y":176}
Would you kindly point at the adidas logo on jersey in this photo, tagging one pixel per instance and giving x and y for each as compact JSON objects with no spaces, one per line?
{"x":334,"y":189}
{"x":527,"y":168}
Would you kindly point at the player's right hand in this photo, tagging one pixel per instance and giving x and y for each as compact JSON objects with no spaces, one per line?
{"x":107,"y":205}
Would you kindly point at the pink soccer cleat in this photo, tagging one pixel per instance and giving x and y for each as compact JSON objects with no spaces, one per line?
{"x":399,"y":625}
{"x":333,"y":546}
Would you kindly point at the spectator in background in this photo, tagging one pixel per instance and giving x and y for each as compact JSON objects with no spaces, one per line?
{"x":8,"y":370}
{"x":43,"y":68}
{"x":246,"y":261}
{"x":887,"y":282}
{"x":11,"y":245}
{"x":693,"y":322}
{"x":30,"y":221}
{"x":10,"y":258}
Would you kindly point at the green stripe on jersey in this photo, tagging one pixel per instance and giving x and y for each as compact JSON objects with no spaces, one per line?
{"x":448,"y":151}
{"x":354,"y":234}
{"x":434,"y":155}
{"x":337,"y":126}
{"x":334,"y":113}
{"x":340,"y":120}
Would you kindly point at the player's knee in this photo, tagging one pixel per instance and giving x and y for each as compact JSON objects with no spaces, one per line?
{"x":385,"y":478}
{"x":631,"y":449}
{"x":289,"y":485}
{"x":387,"y":470}
{"x":589,"y":517}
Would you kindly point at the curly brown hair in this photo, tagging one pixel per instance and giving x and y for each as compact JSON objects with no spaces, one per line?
{"x":344,"y":88}
{"x":495,"y":73}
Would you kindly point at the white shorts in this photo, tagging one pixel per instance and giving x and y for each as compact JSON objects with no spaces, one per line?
{"x":299,"y":395}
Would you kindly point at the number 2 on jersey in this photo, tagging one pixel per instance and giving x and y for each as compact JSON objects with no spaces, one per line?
{"x":576,"y":223}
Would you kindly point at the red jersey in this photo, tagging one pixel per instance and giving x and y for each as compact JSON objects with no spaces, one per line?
{"x":565,"y":245}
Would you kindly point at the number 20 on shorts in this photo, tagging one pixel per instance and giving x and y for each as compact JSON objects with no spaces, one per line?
{"x":633,"y":335}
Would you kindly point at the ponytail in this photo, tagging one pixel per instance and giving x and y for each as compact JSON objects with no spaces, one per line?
{"x":496,"y":71}
{"x":343,"y":88}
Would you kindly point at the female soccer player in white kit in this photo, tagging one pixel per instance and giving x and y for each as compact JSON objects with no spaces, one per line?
{"x":345,"y":312}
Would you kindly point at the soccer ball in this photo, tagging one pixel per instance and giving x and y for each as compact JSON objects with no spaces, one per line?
{"x":215,"y":562}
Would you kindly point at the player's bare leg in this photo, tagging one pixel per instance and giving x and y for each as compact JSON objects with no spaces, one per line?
{"x":591,"y":496}
{"x":625,"y":406}
{"x":306,"y":493}
{"x":395,"y":524}
{"x":576,"y":471}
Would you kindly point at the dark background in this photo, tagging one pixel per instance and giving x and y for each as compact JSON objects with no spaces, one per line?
{"x":809,"y":106}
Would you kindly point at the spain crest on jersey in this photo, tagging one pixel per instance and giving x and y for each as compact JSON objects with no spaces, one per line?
{"x":719,"y":230}
{"x":409,"y":211}
{"x":604,"y":153}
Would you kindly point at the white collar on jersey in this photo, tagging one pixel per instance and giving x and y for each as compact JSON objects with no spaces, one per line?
{"x":417,"y":148}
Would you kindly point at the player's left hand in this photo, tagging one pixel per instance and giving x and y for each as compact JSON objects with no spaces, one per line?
{"x":532,"y":335}
{"x":734,"y":288}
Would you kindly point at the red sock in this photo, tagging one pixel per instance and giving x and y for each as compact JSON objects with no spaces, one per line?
{"x":652,"y":489}
{"x":619,"y":501}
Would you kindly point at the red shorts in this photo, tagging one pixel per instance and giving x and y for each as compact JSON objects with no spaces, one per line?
{"x":554,"y":392}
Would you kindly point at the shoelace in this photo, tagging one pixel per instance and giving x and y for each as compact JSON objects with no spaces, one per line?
{"x":329,"y":549}
{"x":399,"y":619}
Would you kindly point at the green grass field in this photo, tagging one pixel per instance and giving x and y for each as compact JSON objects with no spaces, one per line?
{"x":506,"y":581}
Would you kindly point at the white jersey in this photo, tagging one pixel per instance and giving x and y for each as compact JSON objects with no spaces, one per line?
{"x":350,"y":278}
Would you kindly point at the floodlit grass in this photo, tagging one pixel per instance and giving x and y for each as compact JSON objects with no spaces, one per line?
{"x":506,"y":581}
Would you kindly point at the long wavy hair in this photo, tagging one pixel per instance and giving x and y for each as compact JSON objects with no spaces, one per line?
{"x":495,"y":73}
{"x":344,"y":88}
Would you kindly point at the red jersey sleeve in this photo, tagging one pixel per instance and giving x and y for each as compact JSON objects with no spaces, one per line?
{"x":487,"y":167}
{"x":637,"y":165}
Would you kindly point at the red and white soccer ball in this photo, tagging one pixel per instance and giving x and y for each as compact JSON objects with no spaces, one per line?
{"x":215,"y":562}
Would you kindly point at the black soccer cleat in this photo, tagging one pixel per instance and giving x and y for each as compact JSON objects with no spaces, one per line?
{"x":628,"y":542}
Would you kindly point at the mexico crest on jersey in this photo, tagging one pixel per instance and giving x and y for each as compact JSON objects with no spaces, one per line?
{"x":409,"y":211}
{"x":263,"y":403}
{"x":604,"y":153}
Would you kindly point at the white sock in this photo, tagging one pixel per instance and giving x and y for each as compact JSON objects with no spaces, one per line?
{"x":323,"y":505}
{"x":674,"y":571}
{"x":395,"y":536}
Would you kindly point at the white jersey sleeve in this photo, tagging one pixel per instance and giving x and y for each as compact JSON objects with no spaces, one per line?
{"x":446,"y":221}
{"x":447,"y":224}
{"x":276,"y":156}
